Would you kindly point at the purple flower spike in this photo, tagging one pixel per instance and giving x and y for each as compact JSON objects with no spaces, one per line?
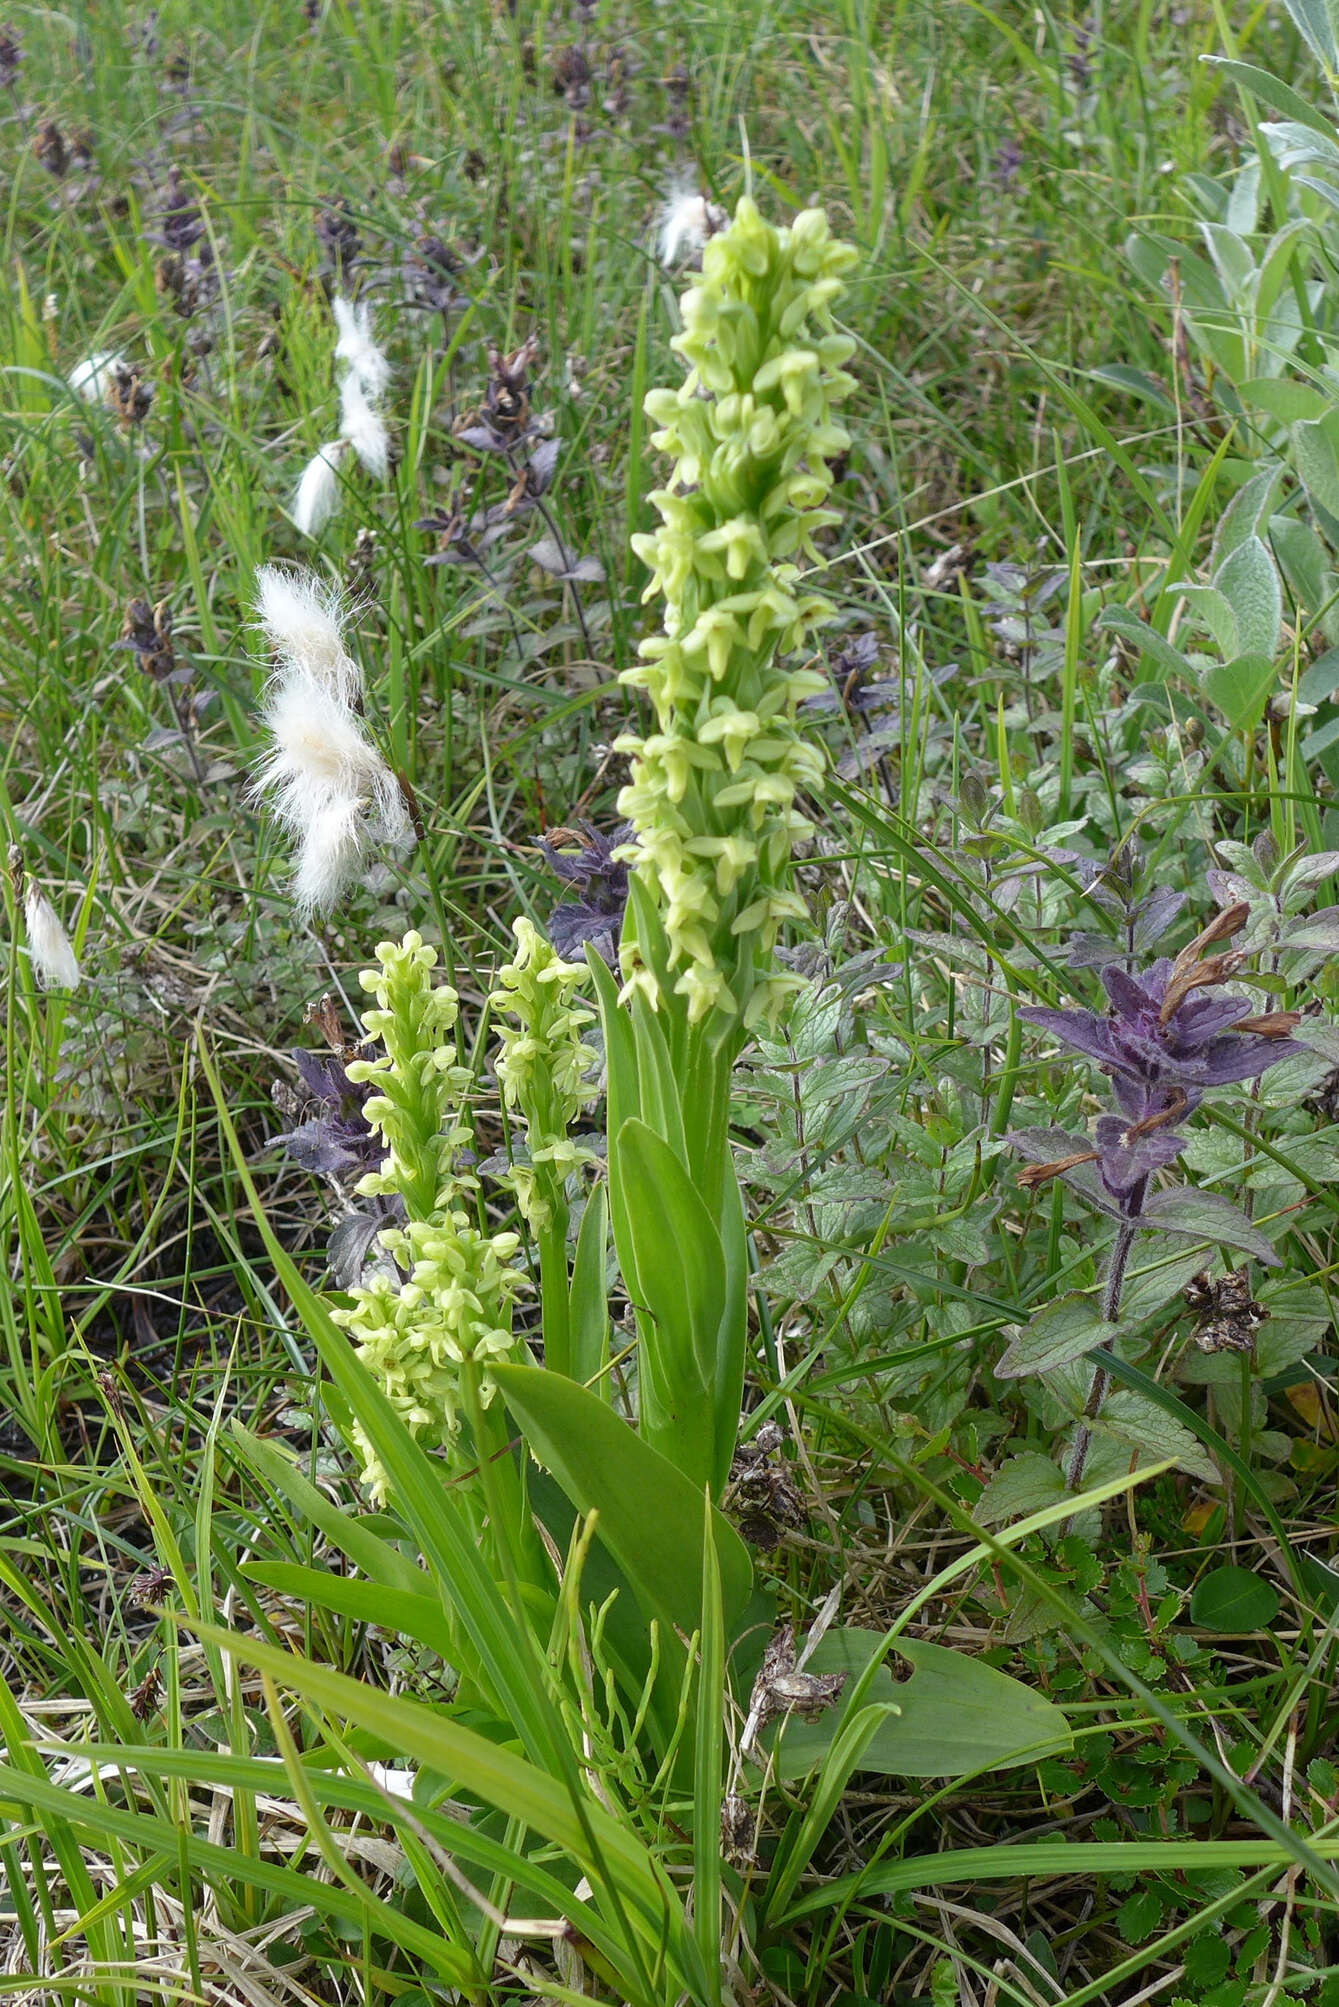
{"x":1163,"y":1043}
{"x":335,"y":1140}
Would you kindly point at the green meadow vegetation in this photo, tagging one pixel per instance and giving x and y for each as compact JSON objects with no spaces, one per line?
{"x":669,"y":1153}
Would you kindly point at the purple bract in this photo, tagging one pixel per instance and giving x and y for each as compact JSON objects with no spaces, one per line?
{"x":592,"y":870}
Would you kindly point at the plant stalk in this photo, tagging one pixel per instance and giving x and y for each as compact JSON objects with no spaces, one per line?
{"x":1111,"y":1295}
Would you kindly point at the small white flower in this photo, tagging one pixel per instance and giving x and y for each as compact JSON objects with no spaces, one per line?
{"x":50,"y":951}
{"x":685,"y":223}
{"x":317,"y":495}
{"x":358,"y":349}
{"x":303,"y":619}
{"x":91,"y":379}
{"x":363,"y":428}
{"x":327,"y":784}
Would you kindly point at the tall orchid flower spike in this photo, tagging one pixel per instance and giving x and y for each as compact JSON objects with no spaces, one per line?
{"x":543,"y":1065}
{"x":713,"y":790}
{"x":449,"y":1300}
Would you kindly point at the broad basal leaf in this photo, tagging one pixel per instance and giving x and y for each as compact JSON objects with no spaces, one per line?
{"x":1153,"y":1434}
{"x":1240,"y":688}
{"x":1025,"y":1483}
{"x":956,"y":1716}
{"x":1249,"y":581}
{"x":1234,"y":1600}
{"x":650,"y":1514}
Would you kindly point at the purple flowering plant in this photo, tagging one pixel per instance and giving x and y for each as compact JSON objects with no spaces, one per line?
{"x":1169,"y":1036}
{"x":589,"y":864}
{"x":334,"y":1139}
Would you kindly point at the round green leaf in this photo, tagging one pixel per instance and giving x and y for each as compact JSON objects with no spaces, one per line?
{"x":1234,"y":1599}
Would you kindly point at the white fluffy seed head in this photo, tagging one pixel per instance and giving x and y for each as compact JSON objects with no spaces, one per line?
{"x":54,"y":962}
{"x":319,"y":750}
{"x":329,"y":855}
{"x":327,"y":784}
{"x":303,"y":621}
{"x":91,"y":379}
{"x":317,"y":494}
{"x":363,"y":428}
{"x":685,"y":223}
{"x":357,"y":347}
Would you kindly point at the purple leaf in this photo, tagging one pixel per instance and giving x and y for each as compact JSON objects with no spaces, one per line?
{"x":1244,"y":1056}
{"x":331,"y":1149}
{"x":551,"y":556}
{"x":543,"y":461}
{"x":482,"y":438}
{"x":1129,"y":1155}
{"x":1082,"y":1029}
{"x":1155,"y":914}
{"x":351,"y":1242}
{"x":1093,"y":951}
{"x":1045,"y":1146}
{"x":1137,"y":999}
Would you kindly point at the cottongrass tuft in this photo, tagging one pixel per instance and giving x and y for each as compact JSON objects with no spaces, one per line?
{"x":303,"y":620}
{"x":685,"y":222}
{"x":361,"y":425}
{"x":92,"y":378}
{"x":363,"y":428}
{"x":356,"y":346}
{"x":50,"y":950}
{"x":321,"y":775}
{"x":316,"y":497}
